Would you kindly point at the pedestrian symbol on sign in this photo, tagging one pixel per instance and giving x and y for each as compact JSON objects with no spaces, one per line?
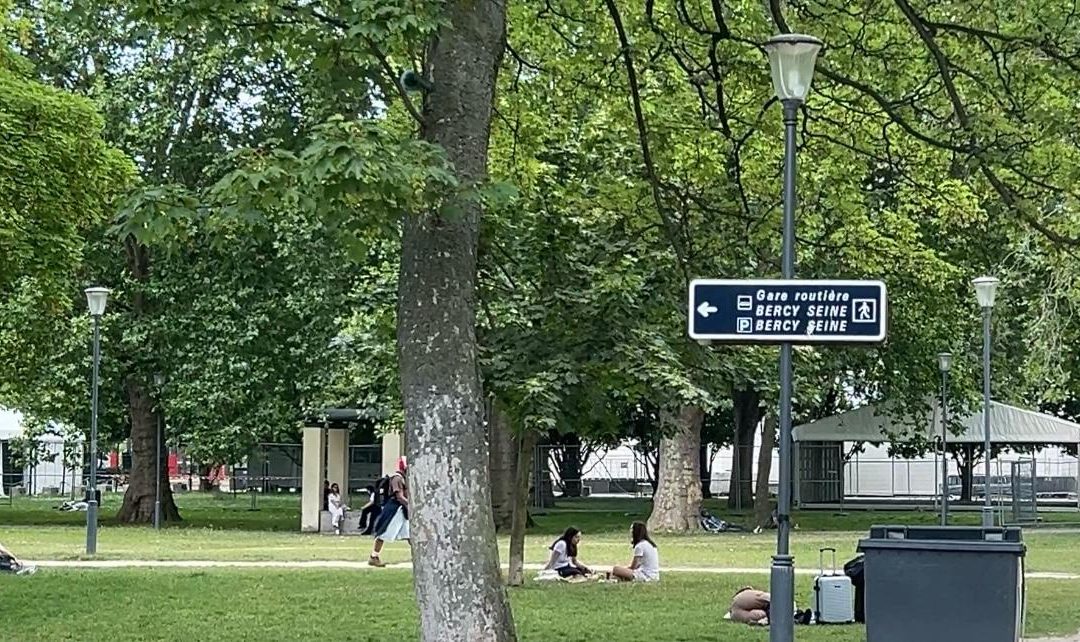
{"x":863,"y":311}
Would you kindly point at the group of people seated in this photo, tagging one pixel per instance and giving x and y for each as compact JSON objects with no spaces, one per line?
{"x":334,"y":503}
{"x":643,"y":567}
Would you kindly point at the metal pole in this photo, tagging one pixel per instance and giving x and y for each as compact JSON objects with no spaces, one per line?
{"x":782,"y":574}
{"x":91,"y":500}
{"x":988,"y":506}
{"x":157,"y":475}
{"x":944,"y":448}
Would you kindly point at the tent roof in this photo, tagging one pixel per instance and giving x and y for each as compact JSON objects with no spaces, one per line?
{"x":11,"y":428}
{"x":1008,"y":425}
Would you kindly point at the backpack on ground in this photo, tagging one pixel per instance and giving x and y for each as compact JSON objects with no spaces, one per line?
{"x":834,"y":595}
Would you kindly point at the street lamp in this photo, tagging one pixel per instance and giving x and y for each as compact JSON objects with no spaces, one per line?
{"x":791,"y":59}
{"x":985,"y":288}
{"x":159,"y":383}
{"x":96,"y":298}
{"x":944,"y":365}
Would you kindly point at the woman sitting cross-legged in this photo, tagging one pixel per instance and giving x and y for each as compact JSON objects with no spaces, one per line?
{"x":645,"y":567}
{"x":564,"y":555}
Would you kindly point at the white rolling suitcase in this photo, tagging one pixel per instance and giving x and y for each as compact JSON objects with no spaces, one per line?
{"x":834,"y":595}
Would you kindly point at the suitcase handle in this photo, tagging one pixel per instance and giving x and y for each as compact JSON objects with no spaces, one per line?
{"x":821,"y":559}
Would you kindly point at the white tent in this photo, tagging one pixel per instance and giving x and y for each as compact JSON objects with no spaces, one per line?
{"x":45,"y":474}
{"x":874,"y":423}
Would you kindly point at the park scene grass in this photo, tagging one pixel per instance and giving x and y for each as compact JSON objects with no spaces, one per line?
{"x":359,"y":603}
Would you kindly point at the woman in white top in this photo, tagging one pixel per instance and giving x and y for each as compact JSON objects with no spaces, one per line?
{"x":336,"y":507}
{"x":563,"y":558}
{"x":645,"y":567}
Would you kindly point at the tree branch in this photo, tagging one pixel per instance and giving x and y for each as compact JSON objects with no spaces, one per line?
{"x":643,"y":136}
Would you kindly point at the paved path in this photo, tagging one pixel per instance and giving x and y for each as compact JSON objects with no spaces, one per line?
{"x":356,"y":565}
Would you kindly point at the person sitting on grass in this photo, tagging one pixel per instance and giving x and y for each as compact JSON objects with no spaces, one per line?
{"x":645,"y":567}
{"x":11,"y":564}
{"x":564,"y":556}
{"x":337,"y":508}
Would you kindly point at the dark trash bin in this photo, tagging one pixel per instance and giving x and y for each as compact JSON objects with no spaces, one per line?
{"x":854,"y":570}
{"x":943,"y":584}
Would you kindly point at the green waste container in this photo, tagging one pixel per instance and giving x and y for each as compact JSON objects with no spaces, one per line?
{"x":944,"y":584}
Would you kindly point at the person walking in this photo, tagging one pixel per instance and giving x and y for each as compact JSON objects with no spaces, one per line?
{"x":393,"y":522}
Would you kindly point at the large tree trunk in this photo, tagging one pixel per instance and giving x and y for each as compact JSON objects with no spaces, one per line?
{"x":568,"y":456}
{"x":966,"y":464}
{"x":746,"y":406}
{"x":706,"y":471}
{"x":762,"y":500}
{"x":526,"y":446}
{"x":502,"y":460}
{"x":138,"y":505}
{"x":677,"y":502}
{"x":459,"y":588}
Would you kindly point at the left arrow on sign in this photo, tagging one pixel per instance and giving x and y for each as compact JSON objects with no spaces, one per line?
{"x":705,"y":309}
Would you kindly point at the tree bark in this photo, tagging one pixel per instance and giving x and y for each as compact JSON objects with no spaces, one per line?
{"x":138,"y":504}
{"x":747,"y":415}
{"x":762,"y":500}
{"x":569,"y":461}
{"x":677,"y":502}
{"x":502,"y":460}
{"x":526,"y":446}
{"x":706,"y":471}
{"x":966,"y":464}
{"x":457,"y":579}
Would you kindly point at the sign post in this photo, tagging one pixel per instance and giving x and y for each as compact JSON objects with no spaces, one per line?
{"x":766,"y":311}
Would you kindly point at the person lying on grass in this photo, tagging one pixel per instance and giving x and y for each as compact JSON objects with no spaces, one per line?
{"x":645,"y":567}
{"x":750,"y":606}
{"x":11,"y":564}
{"x":563,"y":558}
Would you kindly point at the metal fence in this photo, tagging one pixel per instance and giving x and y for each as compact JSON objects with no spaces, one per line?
{"x":826,"y":475}
{"x":278,"y":468}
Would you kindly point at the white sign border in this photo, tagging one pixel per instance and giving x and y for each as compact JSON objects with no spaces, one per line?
{"x":883,"y":313}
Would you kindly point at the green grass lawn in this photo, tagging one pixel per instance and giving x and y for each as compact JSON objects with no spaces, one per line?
{"x":223,"y":528}
{"x":273,"y":604}
{"x":378,"y":605}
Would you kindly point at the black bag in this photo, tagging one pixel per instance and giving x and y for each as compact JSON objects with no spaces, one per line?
{"x":854,"y":569}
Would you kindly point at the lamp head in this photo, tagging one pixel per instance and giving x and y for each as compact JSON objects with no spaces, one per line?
{"x":96,"y":298}
{"x":791,"y":58}
{"x":944,"y":360}
{"x":985,"y":289}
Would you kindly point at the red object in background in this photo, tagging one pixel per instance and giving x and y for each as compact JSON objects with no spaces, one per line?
{"x":114,"y":459}
{"x":174,"y":465}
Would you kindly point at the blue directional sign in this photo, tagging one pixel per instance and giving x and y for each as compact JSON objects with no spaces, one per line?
{"x":788,"y":311}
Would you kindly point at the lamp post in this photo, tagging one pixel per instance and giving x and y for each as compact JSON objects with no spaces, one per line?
{"x":96,"y":298}
{"x":791,"y":60}
{"x":985,"y":288}
{"x":159,"y":383}
{"x":944,"y":365}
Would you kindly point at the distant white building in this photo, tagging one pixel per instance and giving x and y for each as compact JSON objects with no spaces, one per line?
{"x":48,"y":475}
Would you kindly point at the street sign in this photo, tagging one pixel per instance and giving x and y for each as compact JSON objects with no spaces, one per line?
{"x":788,"y":311}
